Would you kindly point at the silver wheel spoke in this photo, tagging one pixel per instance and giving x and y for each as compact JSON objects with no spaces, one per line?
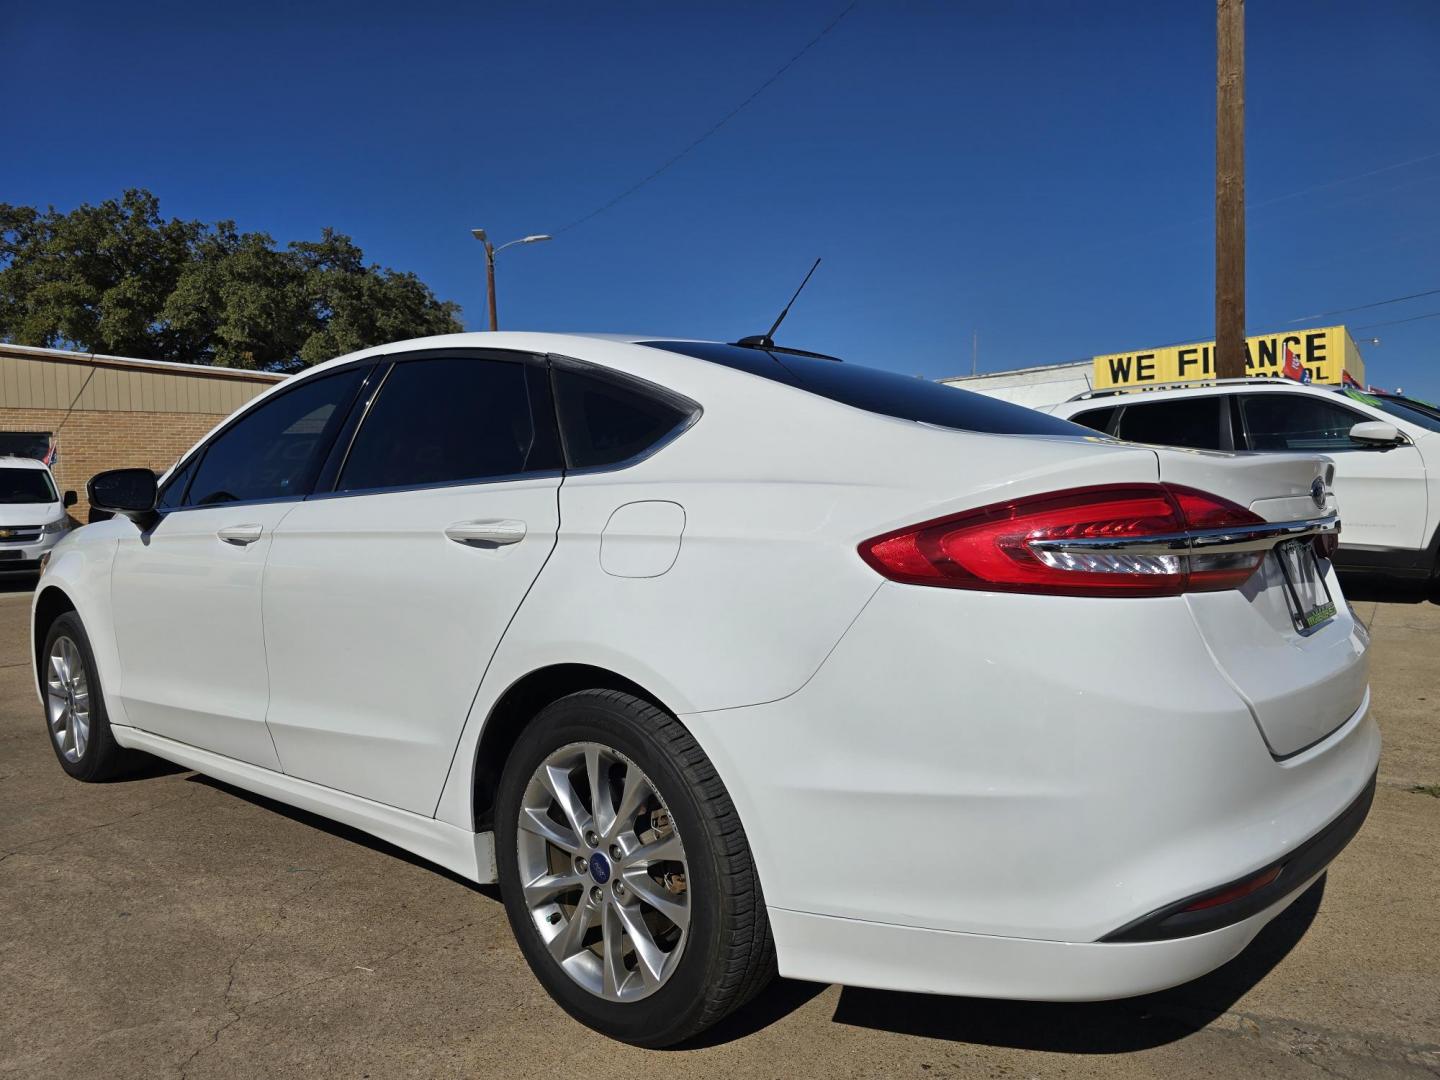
{"x":603,"y":812}
{"x":650,"y":959}
{"x":551,"y":885}
{"x":612,"y":960}
{"x":673,"y":907}
{"x":538,"y":824}
{"x":632,"y":796}
{"x":665,"y":848}
{"x":557,"y":782}
{"x":571,"y":938}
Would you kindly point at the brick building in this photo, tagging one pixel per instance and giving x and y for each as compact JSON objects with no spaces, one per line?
{"x":107,"y":412}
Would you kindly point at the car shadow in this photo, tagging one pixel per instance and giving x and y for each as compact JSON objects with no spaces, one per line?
{"x":1086,"y":1028}
{"x":1108,"y":1027}
{"x":1364,"y":588}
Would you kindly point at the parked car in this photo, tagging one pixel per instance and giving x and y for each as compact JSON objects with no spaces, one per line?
{"x":722,"y":656}
{"x":32,"y":515}
{"x":1386,"y":451}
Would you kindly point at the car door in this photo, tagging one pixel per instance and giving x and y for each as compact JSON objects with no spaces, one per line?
{"x":186,"y":592}
{"x":386,"y":596}
{"x":1379,"y":491}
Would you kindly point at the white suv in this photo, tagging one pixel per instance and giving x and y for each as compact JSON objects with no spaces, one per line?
{"x":1386,"y":452}
{"x":32,"y":515}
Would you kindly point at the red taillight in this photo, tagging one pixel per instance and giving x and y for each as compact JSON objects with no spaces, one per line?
{"x":1083,"y":542}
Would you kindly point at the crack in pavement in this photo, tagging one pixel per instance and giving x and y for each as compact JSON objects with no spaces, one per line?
{"x":61,"y":837}
{"x":238,"y":1013}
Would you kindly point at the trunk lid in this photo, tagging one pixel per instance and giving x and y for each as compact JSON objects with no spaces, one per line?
{"x":1300,"y":685}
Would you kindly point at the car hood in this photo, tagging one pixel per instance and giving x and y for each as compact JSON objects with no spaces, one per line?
{"x":30,"y":513}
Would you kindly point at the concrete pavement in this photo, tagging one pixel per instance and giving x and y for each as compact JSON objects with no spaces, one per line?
{"x":170,"y":926}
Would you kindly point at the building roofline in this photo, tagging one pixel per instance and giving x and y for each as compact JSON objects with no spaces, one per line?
{"x":1063,"y":365}
{"x":167,"y":366}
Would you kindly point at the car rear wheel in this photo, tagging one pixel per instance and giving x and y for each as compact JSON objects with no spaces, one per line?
{"x":74,"y":705}
{"x":626,"y":874}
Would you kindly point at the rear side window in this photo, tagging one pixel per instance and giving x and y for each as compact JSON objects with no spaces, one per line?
{"x":1193,"y":422}
{"x":1098,"y":419}
{"x":443,"y":420}
{"x":884,"y":392}
{"x":604,"y":421}
{"x":1297,"y":422}
{"x":272,"y":452}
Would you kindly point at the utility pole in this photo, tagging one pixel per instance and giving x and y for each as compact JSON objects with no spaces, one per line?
{"x":490,"y":252}
{"x":974,"y":351}
{"x":1230,"y":189}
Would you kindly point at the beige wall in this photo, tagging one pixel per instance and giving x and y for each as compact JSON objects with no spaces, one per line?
{"x":124,"y":414}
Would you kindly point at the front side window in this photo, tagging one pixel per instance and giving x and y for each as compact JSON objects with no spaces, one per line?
{"x":1297,"y":422}
{"x":273,"y":451}
{"x":443,"y":420}
{"x":1192,"y":422}
{"x":26,"y":486}
{"x":604,"y":421}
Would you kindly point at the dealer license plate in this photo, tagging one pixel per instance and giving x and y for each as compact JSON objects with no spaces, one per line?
{"x":1309,"y":597}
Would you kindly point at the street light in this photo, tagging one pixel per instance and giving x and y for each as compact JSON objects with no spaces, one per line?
{"x":490,"y":252}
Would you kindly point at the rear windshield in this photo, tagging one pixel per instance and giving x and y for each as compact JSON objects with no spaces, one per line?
{"x":26,"y":486}
{"x":882,"y":392}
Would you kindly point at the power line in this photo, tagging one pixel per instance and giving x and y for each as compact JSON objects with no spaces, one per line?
{"x":715,"y":127}
{"x":1397,"y":322}
{"x":1362,"y":307}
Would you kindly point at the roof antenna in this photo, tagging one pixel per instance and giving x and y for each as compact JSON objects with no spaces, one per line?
{"x":767,"y":339}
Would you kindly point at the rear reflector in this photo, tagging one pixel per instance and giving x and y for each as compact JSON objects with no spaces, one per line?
{"x":1111,"y":540}
{"x":1235,"y":892}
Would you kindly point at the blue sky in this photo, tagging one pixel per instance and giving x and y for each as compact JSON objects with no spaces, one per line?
{"x":1038,"y":172}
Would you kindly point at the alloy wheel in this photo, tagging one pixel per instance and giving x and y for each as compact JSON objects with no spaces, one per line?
{"x":67,"y":699}
{"x":604,"y":871}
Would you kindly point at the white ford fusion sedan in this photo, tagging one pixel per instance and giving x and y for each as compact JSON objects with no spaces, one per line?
{"x":724,"y":657}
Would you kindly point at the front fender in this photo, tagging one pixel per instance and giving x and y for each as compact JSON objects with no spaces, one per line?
{"x":79,"y":568}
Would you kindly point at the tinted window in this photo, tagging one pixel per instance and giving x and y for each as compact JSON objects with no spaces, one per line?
{"x":1192,"y":422}
{"x":1412,"y":412}
{"x":272,"y":451}
{"x":604,"y":421}
{"x":1297,"y":422}
{"x":882,"y":392}
{"x":172,"y":494}
{"x":26,"y":486}
{"x":440,"y":421}
{"x":1099,"y":419}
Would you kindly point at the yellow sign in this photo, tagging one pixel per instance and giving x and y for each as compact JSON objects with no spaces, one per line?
{"x":1325,"y":354}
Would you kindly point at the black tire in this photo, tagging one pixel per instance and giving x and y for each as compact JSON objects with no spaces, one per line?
{"x":102,"y":757}
{"x":729,"y":954}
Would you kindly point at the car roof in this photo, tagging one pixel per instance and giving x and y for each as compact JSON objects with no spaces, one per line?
{"x":1099,"y":399}
{"x":14,"y":461}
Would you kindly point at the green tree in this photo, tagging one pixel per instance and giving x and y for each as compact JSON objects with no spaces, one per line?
{"x":118,"y":278}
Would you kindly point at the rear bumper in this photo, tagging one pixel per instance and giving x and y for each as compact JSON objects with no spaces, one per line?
{"x":883,"y":956}
{"x":1022,"y":779}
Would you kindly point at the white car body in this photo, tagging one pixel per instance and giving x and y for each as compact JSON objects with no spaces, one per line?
{"x":1388,"y":494}
{"x":945,"y":790}
{"x":32,"y":515}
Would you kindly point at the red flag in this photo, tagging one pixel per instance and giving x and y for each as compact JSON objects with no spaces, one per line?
{"x":1293,"y":368}
{"x":1346,"y":379}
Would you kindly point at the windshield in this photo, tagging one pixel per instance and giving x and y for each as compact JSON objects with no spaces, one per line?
{"x":1426,"y":416}
{"x":26,"y":486}
{"x":883,"y":392}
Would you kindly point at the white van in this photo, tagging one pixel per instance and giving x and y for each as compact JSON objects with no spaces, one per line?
{"x":32,"y":515}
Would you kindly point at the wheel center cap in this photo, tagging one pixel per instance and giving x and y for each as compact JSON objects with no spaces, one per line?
{"x":599,"y":868}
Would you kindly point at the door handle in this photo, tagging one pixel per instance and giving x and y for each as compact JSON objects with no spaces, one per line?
{"x":239,"y":535}
{"x":484,"y":533}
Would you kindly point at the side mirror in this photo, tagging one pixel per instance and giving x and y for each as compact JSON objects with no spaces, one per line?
{"x":70,"y":499}
{"x":131,"y":492}
{"x":1376,"y":432}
